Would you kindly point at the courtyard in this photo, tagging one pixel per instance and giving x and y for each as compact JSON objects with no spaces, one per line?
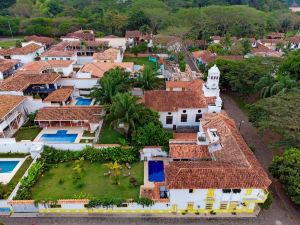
{"x":57,"y":182}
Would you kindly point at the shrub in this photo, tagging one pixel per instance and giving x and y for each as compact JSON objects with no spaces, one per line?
{"x":144,"y":201}
{"x":105,"y":202}
{"x":267,"y":204}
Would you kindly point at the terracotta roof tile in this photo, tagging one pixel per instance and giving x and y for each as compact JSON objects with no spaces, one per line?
{"x":8,"y":103}
{"x":98,"y":69}
{"x":40,"y":39}
{"x":60,"y":95}
{"x":262,"y":50}
{"x":30,"y":48}
{"x":58,"y":53}
{"x":6,"y":64}
{"x":189,"y":151}
{"x":92,"y":114}
{"x":205,"y":55}
{"x":132,"y":34}
{"x":185,"y":136}
{"x":234,"y":166}
{"x":170,"y":101}
{"x":295,"y":39}
{"x":39,"y":66}
{"x":109,"y":54}
{"x":21,"y":81}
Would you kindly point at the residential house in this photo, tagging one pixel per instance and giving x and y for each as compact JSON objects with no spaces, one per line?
{"x":44,"y":41}
{"x":62,"y":67}
{"x":26,"y":54}
{"x":80,"y":35}
{"x":216,"y":39}
{"x":184,"y":103}
{"x":114,"y":41}
{"x":33,"y":84}
{"x":212,"y":171}
{"x":274,"y":44}
{"x":204,"y":57}
{"x":294,"y":42}
{"x":134,"y":37}
{"x":62,"y":96}
{"x":264,"y":51}
{"x":87,"y":117}
{"x":8,"y":67}
{"x":97,"y":70}
{"x":111,"y":55}
{"x":276,"y":35}
{"x":12,"y":114}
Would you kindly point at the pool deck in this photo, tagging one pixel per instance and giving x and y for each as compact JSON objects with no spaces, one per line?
{"x":70,"y":130}
{"x":6,"y":177}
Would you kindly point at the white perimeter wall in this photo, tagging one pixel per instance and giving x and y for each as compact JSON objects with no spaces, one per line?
{"x":79,"y":83}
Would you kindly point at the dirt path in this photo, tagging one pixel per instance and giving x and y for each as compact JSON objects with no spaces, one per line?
{"x":283,"y":210}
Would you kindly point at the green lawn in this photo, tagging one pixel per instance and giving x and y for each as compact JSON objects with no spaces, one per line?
{"x":140,"y":61}
{"x":109,"y":136}
{"x":14,"y":181}
{"x":27,"y":133}
{"x":8,"y":43}
{"x":96,"y":184}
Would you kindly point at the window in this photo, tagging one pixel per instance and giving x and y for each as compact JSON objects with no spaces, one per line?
{"x":169,"y":119}
{"x":184,"y":111}
{"x":198,"y":117}
{"x":54,"y":205}
{"x":209,"y":206}
{"x":183,"y":118}
{"x":124,"y":205}
{"x":223,"y":205}
{"x":61,"y":58}
{"x":236,"y":191}
{"x":46,"y":58}
{"x":68,"y":58}
{"x":199,"y":111}
{"x":226,"y":191}
{"x":169,"y":113}
{"x":191,"y":190}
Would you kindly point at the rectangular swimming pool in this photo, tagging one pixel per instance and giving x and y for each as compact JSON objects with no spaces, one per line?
{"x":83,"y":101}
{"x":156,"y":171}
{"x":61,"y":136}
{"x":8,"y":166}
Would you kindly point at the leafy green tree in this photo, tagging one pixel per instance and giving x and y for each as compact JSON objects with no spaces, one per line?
{"x":115,"y":171}
{"x":124,"y":112}
{"x":114,"y":81}
{"x":227,"y":42}
{"x":217,"y":48}
{"x":115,"y":20}
{"x":283,"y":84}
{"x":151,"y":135}
{"x":137,"y":19}
{"x":291,"y":65}
{"x":247,"y":46}
{"x":148,"y":80}
{"x":286,"y":168}
{"x":264,"y":86}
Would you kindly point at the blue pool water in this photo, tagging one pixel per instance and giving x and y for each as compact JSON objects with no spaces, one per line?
{"x":7,"y":166}
{"x":60,"y":136}
{"x":156,"y":171}
{"x":83,"y":101}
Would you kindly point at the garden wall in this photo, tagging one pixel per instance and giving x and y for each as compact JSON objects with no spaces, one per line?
{"x":139,"y":55}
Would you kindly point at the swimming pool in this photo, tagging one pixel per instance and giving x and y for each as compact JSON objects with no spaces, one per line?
{"x":8,"y":166}
{"x":60,"y":136}
{"x":83,"y":101}
{"x":156,"y":171}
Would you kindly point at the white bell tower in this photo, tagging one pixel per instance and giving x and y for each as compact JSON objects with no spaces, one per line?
{"x":211,"y":87}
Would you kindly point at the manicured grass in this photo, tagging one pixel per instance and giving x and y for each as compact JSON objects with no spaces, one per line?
{"x":140,"y":61}
{"x":8,"y":43}
{"x":110,"y":136}
{"x":15,"y":180}
{"x":57,"y":183}
{"x":27,"y":133}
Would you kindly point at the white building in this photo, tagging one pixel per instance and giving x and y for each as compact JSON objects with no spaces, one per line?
{"x":114,"y":41}
{"x":8,"y":67}
{"x":111,"y":55}
{"x":59,"y":55}
{"x":24,"y":54}
{"x":184,"y":103}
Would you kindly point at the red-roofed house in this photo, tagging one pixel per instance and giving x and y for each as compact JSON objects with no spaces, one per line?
{"x":8,"y":67}
{"x":183,"y":103}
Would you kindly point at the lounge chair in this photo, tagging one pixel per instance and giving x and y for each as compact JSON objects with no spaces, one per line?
{"x":128,"y":165}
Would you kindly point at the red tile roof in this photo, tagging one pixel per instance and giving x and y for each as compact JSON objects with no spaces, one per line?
{"x":30,"y":48}
{"x":262,"y":50}
{"x":109,"y":54}
{"x":295,"y":39}
{"x":82,"y":35}
{"x":6,"y":64}
{"x":170,"y":101}
{"x":189,"y":151}
{"x":92,"y":114}
{"x":40,"y":39}
{"x":39,"y":66}
{"x":21,"y":81}
{"x":58,"y":53}
{"x":8,"y":103}
{"x":234,"y":166}
{"x":205,"y":55}
{"x":60,"y":95}
{"x":132,"y":34}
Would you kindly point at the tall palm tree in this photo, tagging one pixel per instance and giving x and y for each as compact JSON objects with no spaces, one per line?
{"x":264,"y":86}
{"x":147,"y":80}
{"x":115,"y":170}
{"x":124,"y":112}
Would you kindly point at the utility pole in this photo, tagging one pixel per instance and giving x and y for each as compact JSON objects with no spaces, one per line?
{"x":10,"y":29}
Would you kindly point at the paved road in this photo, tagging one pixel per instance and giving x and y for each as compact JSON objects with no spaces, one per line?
{"x":190,"y":61}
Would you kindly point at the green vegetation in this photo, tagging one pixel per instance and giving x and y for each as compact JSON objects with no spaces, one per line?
{"x":140,"y":61}
{"x":95,"y":183}
{"x":12,"y":155}
{"x":279,"y":114}
{"x":8,"y":43}
{"x":27,"y":133}
{"x":110,"y":136}
{"x":8,"y":188}
{"x":148,"y":81}
{"x":286,"y":169}
{"x":88,"y":134}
